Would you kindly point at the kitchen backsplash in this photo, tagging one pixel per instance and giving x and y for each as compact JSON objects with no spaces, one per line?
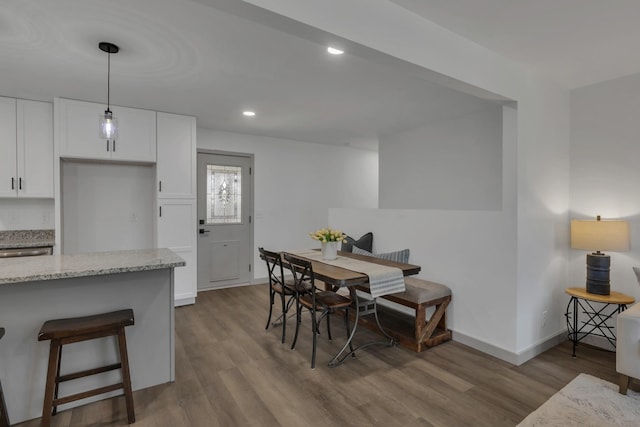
{"x":26,"y":214}
{"x":27,"y":235}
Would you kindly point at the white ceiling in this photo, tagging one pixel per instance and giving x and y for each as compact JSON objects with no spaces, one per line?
{"x":576,"y":42}
{"x":215,"y":58}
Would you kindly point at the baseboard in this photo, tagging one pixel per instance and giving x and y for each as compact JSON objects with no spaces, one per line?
{"x":184,"y":301}
{"x":541,"y":346}
{"x":509,"y":356}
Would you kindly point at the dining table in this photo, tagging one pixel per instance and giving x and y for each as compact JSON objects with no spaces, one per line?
{"x":335,"y":274}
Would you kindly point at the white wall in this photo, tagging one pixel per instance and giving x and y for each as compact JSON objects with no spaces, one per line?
{"x":605,"y":177}
{"x":453,"y":164}
{"x":107,"y":206}
{"x":296,"y":183}
{"x":471,"y":251}
{"x":540,"y":160}
{"x":26,"y":214}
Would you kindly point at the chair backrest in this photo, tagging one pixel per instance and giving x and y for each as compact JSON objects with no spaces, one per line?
{"x":303,"y":276}
{"x":274,"y":266}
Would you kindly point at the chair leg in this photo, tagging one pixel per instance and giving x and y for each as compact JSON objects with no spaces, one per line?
{"x":314,"y":332}
{"x":624,"y":381}
{"x":126,"y":377}
{"x":284,"y":317}
{"x":298,"y":321}
{"x":270,"y":307}
{"x":328,"y":326}
{"x":47,"y":405}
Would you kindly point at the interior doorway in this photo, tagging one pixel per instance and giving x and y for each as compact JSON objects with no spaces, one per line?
{"x":225,"y":219}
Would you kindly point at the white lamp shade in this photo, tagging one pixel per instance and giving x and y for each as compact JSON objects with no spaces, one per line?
{"x":593,"y":235}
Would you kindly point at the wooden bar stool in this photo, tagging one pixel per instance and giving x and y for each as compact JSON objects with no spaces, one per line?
{"x":68,"y":331}
{"x":4,"y":417}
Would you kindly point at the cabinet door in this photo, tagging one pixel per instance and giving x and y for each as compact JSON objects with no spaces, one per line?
{"x":8,"y":173}
{"x":177,"y":231}
{"x":78,"y":130}
{"x":176,"y":156}
{"x":35,"y":149}
{"x":136,"y":135}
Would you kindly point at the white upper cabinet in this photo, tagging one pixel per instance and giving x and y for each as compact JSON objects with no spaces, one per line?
{"x":26,"y":141}
{"x":176,"y":156}
{"x":35,"y":149}
{"x":79,"y":139}
{"x":8,"y":163}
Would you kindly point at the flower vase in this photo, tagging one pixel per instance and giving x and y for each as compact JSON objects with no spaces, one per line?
{"x":329,"y":250}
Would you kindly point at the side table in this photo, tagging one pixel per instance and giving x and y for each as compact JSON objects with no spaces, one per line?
{"x":596,"y":322}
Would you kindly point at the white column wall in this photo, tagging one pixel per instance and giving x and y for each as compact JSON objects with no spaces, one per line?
{"x":541,"y":168}
{"x":295,"y":183}
{"x":604,"y":170}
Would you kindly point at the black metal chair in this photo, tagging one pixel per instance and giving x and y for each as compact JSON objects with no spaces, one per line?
{"x":278,"y":286}
{"x":316,"y":301}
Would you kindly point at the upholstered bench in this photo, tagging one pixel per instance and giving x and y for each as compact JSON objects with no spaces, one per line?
{"x":414,"y":332}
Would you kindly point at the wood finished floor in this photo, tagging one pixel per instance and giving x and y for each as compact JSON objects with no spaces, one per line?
{"x":231,"y":372}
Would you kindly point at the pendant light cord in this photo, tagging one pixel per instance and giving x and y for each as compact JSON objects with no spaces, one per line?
{"x":108,"y":80}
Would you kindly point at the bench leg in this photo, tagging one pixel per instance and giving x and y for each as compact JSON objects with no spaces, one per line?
{"x":424,"y":329}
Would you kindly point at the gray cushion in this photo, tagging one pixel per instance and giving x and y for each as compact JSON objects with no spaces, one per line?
{"x":365,"y":242}
{"x":397,"y":256}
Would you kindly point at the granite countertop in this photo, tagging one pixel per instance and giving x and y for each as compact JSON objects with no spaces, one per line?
{"x":11,"y":239}
{"x":51,"y":267}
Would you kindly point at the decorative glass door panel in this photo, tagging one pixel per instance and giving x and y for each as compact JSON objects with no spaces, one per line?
{"x":224,"y":194}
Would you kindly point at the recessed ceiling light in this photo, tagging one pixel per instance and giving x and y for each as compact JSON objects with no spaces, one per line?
{"x":334,"y":51}
{"x":249,"y":113}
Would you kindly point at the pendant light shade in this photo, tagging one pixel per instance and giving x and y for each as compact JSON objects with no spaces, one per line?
{"x":108,"y":123}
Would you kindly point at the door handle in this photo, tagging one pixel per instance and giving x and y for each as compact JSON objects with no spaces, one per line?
{"x":202,"y":231}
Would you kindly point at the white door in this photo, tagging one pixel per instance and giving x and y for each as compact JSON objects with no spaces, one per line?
{"x":225,"y":206}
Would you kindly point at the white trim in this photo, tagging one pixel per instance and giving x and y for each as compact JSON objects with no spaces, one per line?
{"x":509,"y":356}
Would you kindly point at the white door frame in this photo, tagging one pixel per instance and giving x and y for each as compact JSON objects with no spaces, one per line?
{"x":251,"y":158}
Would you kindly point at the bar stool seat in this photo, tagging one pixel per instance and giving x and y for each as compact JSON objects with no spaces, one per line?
{"x":77,"y":329}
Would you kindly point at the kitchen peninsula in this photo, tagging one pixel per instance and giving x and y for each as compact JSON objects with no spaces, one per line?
{"x":36,"y":289}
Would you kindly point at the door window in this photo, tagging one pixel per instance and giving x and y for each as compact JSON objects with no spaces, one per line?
{"x":224,"y":194}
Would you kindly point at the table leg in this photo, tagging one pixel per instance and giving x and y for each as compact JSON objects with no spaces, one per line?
{"x":343,"y":354}
{"x":575,"y":325}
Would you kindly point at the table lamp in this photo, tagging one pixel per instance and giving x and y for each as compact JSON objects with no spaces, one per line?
{"x":599,"y":235}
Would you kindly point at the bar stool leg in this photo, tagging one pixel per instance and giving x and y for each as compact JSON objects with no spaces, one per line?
{"x":55,"y":394}
{"x":126,"y":379}
{"x":47,"y":405}
{"x":4,"y":417}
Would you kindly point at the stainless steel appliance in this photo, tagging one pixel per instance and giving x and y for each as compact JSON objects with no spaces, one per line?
{"x":20,"y":252}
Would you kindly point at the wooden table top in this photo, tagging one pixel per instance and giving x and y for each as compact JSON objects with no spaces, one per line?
{"x":337,"y":276}
{"x":613,"y":298}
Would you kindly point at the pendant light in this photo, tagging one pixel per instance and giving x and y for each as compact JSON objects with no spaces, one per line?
{"x":108,"y":123}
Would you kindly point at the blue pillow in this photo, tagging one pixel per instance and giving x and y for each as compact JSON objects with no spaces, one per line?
{"x":365,"y":242}
{"x":397,"y":256}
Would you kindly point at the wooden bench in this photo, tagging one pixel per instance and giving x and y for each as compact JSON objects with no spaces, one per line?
{"x":415,"y":333}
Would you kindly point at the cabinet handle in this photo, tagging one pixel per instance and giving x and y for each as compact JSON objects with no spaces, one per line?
{"x":13,"y":185}
{"x":20,"y":184}
{"x":107,"y":145}
{"x":160,"y":210}
{"x":160,"y":187}
{"x":114,"y":145}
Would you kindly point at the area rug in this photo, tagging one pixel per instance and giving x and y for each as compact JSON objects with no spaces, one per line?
{"x":587,"y":401}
